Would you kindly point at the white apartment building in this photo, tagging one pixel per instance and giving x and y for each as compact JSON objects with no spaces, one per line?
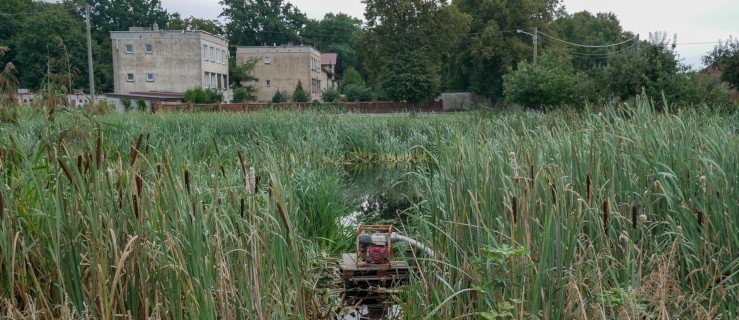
{"x":153,"y":60}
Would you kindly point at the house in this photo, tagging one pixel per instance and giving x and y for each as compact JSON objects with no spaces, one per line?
{"x":281,"y":67}
{"x":168,"y":61}
{"x":329,"y":78}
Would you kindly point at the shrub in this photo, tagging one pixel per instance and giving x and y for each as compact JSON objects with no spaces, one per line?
{"x":358,"y":92}
{"x":330,"y":95}
{"x":300,"y":95}
{"x":126,"y":103}
{"x":280,"y":97}
{"x":242,"y":94}
{"x":141,"y":105}
{"x":552,"y":82}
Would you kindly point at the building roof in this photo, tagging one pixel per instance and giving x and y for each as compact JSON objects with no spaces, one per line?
{"x":328,"y":58}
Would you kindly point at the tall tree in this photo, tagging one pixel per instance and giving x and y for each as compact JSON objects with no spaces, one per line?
{"x":335,"y":33}
{"x":211,"y":26}
{"x":257,"y":22}
{"x":119,"y":15}
{"x":725,"y":57}
{"x":492,"y":45}
{"x":585,"y":28}
{"x":43,"y":38}
{"x":405,"y":42}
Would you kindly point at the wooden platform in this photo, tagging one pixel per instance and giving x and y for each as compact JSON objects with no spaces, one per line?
{"x":395,"y":272}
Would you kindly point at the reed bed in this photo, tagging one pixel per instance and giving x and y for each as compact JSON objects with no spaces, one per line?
{"x":626,"y":213}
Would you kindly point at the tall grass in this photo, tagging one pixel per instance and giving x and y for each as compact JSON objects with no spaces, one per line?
{"x":624,"y":214}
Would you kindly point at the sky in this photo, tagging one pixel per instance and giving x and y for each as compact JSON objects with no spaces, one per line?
{"x":692,"y":21}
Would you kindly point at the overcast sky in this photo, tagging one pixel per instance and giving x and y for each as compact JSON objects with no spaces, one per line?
{"x":693,"y":21}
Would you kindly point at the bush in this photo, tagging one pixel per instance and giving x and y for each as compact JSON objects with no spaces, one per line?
{"x":300,"y":95}
{"x":197,"y":95}
{"x":280,"y":97}
{"x":126,"y":103}
{"x":242,"y":94}
{"x":358,"y":92}
{"x":330,"y":95}
{"x":141,"y":105}
{"x":553,"y":82}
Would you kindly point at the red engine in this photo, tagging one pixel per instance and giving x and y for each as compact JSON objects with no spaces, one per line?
{"x":376,"y":254}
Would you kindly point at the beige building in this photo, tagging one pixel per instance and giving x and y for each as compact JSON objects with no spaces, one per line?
{"x":329,"y":78}
{"x":281,"y":67}
{"x":153,"y":60}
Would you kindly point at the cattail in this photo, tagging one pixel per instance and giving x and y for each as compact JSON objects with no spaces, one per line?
{"x":99,"y":148}
{"x":79,"y":164}
{"x":135,"y":150}
{"x":139,"y":185}
{"x":187,"y":181}
{"x":243,"y":168}
{"x":135,"y":206}
{"x":242,"y":208}
{"x":215,"y":144}
{"x":700,"y":219}
{"x":514,"y":205}
{"x":588,"y":184}
{"x":284,"y":218}
{"x":88,"y":160}
{"x":634,"y":210}
{"x":146,"y":151}
{"x":256,"y":183}
{"x":606,"y":212}
{"x":67,"y":172}
{"x":531,"y":175}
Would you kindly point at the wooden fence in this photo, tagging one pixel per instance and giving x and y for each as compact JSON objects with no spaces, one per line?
{"x":359,"y":107}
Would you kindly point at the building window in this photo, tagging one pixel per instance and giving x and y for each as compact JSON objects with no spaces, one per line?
{"x":212,"y":54}
{"x":268,"y":83}
{"x":205,"y":52}
{"x":267,"y":60}
{"x":129,"y":48}
{"x":149,"y":48}
{"x":129,"y":77}
{"x":225,"y":57}
{"x":218,"y":56}
{"x":206,"y":80}
{"x":213,"y":82}
{"x":150,"y":77}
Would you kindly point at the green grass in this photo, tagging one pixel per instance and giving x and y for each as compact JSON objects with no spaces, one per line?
{"x":503,"y":198}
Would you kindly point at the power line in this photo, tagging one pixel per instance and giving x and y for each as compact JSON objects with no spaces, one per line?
{"x":585,"y":45}
{"x":33,"y":12}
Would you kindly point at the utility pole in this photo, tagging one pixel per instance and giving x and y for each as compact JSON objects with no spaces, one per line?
{"x":89,"y":58}
{"x":536,"y":42}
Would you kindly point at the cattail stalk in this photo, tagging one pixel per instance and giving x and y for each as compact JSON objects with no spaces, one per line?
{"x":256,"y":183}
{"x":135,"y":150}
{"x":99,"y":147}
{"x":67,"y":172}
{"x":284,"y":219}
{"x":242,"y":208}
{"x":700,"y":219}
{"x":187,"y":181}
{"x":139,"y":185}
{"x":514,"y":205}
{"x":606,"y":213}
{"x":135,"y":206}
{"x":589,"y":190}
{"x":634,"y":210}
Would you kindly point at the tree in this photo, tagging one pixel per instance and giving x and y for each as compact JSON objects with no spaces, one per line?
{"x":492,"y":45}
{"x":650,"y":68}
{"x":119,"y":15}
{"x":552,"y":82}
{"x":351,"y":77}
{"x":406,"y":41}
{"x":242,"y":79}
{"x":335,"y":33}
{"x":257,"y":22}
{"x":586,"y":28}
{"x":280,"y":97}
{"x":57,"y":38}
{"x":725,"y":57}
{"x":211,"y":26}
{"x":330,"y":95}
{"x":242,"y":94}
{"x":300,"y":95}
